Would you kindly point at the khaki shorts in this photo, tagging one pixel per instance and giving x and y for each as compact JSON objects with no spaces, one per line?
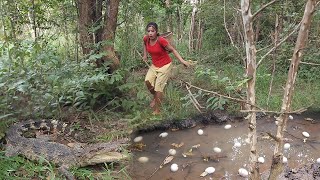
{"x":158,"y":77}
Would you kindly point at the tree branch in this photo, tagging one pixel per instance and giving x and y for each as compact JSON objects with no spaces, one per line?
{"x":224,"y":96}
{"x":262,"y":8}
{"x":225,"y":24}
{"x":277,"y":45}
{"x":298,"y":111}
{"x":313,"y":64}
{"x":193,"y":100}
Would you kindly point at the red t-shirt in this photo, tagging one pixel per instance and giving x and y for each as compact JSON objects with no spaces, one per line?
{"x":158,"y":54}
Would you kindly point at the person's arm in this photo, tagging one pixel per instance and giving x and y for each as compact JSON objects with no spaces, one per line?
{"x":144,"y":57}
{"x":177,"y":55}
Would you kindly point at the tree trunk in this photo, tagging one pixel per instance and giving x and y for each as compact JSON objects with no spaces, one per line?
{"x":86,"y":14}
{"x":199,"y":36}
{"x":277,"y":165}
{"x":251,"y":74}
{"x":192,"y":25}
{"x":91,"y":17}
{"x":179,"y":24}
{"x":97,"y":19}
{"x":169,"y":16}
{"x":109,"y":34}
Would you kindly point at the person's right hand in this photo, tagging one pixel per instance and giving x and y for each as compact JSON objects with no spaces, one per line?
{"x":186,"y":64}
{"x":145,"y":58}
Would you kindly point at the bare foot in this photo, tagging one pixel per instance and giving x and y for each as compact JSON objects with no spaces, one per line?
{"x":156,"y":112}
{"x":153,"y":103}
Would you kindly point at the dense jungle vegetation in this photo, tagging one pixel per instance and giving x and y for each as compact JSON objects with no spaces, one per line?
{"x":44,"y":72}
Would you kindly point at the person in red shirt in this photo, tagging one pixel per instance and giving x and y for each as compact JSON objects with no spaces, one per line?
{"x":158,"y":73}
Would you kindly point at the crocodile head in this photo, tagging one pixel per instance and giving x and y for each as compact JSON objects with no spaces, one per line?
{"x":101,"y":153}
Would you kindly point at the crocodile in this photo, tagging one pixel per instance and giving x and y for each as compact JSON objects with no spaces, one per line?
{"x":64,"y":156}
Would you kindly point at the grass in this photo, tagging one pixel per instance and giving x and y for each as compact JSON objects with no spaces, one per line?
{"x":17,"y":167}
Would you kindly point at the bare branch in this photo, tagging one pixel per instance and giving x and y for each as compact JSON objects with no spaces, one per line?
{"x":313,"y":64}
{"x":277,"y":45}
{"x":141,"y":57}
{"x":224,"y":21}
{"x":298,"y":111}
{"x":193,"y":100}
{"x":224,"y":96}
{"x":262,"y":8}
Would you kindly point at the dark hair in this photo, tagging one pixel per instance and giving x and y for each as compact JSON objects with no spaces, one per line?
{"x":152,"y":24}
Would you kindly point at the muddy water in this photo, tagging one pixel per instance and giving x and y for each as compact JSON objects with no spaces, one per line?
{"x":231,"y":158}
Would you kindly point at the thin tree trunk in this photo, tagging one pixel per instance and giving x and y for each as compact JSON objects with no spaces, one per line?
{"x":199,"y":37}
{"x":192,"y":25}
{"x":98,"y":19}
{"x":225,"y":23}
{"x":169,"y":16}
{"x":274,"y":57}
{"x":34,"y":21}
{"x":251,"y":97}
{"x":109,"y":34}
{"x":277,"y":165}
{"x":179,"y":24}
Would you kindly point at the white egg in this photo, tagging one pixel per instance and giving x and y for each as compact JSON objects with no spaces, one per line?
{"x":276,"y":122}
{"x":164,"y":134}
{"x":143,"y":159}
{"x":200,"y":132}
{"x":237,"y":144}
{"x":284,"y":160}
{"x":305,"y":134}
{"x":261,"y":160}
{"x":210,"y":170}
{"x":172,"y":152}
{"x":243,"y":172}
{"x":318,"y":160}
{"x":290,"y":117}
{"x":217,"y":150}
{"x":137,"y":139}
{"x":286,"y":146}
{"x":228,"y":126}
{"x":174,"y":167}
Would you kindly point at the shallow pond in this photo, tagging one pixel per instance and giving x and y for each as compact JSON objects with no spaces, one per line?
{"x":196,"y":152}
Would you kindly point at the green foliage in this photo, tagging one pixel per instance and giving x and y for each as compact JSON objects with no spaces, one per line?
{"x":217,"y":84}
{"x":33,"y":76}
{"x":45,"y":76}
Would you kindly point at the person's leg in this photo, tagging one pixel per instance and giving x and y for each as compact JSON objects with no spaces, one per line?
{"x":157,"y":105}
{"x":161,"y":81}
{"x":151,"y":89}
{"x":150,"y":83}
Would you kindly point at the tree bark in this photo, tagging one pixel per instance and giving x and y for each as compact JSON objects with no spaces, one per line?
{"x":277,"y":165}
{"x":251,"y":74}
{"x":91,"y":17}
{"x":179,"y":24}
{"x":109,"y":34}
{"x":86,"y":14}
{"x":192,"y":24}
{"x":169,"y":16}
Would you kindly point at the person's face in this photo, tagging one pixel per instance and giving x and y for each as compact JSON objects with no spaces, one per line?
{"x":152,"y":33}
